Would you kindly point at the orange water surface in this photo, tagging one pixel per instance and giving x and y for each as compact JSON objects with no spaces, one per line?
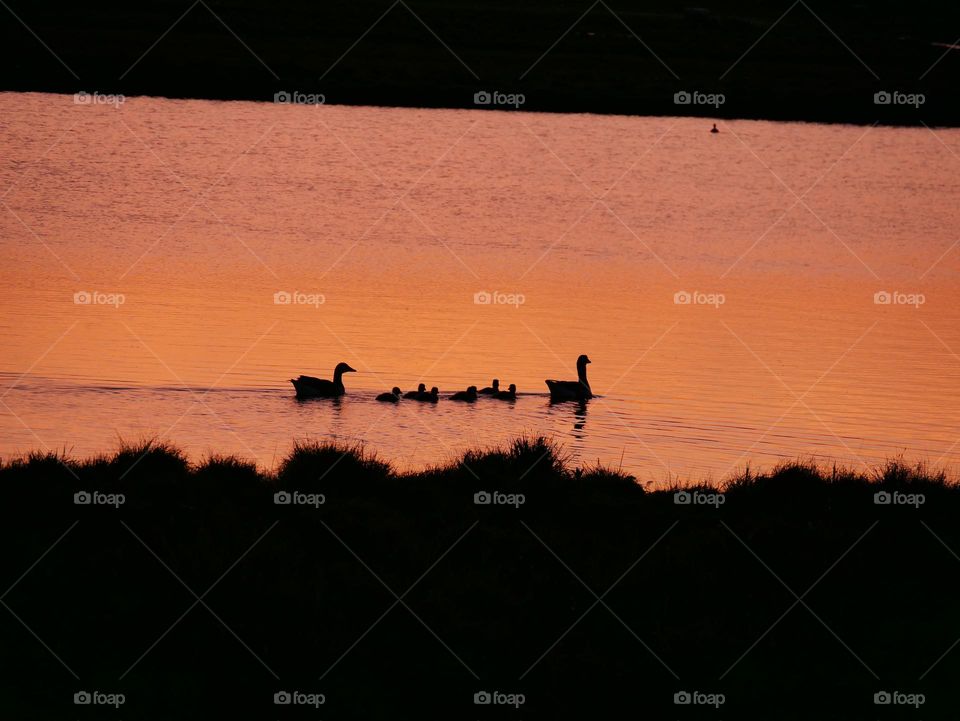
{"x":148,"y":248}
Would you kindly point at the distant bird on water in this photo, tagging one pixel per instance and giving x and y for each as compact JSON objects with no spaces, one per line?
{"x":491,"y":390}
{"x":714,"y":129}
{"x":469,"y":395}
{"x":508,"y":395}
{"x":413,"y":394}
{"x":392,"y":397}
{"x":310,"y":387}
{"x":577,"y":390}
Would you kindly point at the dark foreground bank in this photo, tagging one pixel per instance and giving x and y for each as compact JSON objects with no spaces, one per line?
{"x":505,"y":585}
{"x":725,"y":59}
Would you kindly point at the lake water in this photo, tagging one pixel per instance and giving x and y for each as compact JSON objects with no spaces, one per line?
{"x":179,"y":221}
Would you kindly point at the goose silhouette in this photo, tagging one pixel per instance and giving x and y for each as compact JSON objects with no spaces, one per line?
{"x":492,"y":389}
{"x":310,"y":387}
{"x":577,"y":390}
{"x":391,"y":397}
{"x":508,"y":395}
{"x":432,"y":397}
{"x":413,"y":394}
{"x":469,"y":395}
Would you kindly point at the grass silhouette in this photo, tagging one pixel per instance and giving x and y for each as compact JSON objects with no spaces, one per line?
{"x":499,"y":595}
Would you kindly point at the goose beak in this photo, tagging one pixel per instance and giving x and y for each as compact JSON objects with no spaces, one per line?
{"x":587,"y":360}
{"x":348,"y":369}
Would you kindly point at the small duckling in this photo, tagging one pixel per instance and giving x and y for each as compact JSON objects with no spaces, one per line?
{"x":432,"y":397}
{"x":391,"y":397}
{"x":469,"y":395}
{"x":421,"y":389}
{"x":507,"y":395}
{"x":491,"y":390}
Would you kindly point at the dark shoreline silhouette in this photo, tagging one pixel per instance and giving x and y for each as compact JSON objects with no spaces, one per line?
{"x":813,"y":63}
{"x":499,"y":558}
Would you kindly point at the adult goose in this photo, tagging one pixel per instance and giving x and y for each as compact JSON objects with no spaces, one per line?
{"x":469,"y":395}
{"x":310,"y":387}
{"x":492,"y":389}
{"x":577,"y":390}
{"x":421,"y":389}
{"x":391,"y":397}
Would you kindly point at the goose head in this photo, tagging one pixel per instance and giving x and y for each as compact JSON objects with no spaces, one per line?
{"x":343,"y":368}
{"x":434,"y":391}
{"x":512,"y":388}
{"x":582,"y":371}
{"x":422,"y":388}
{"x":496,"y":384}
{"x":395,"y":391}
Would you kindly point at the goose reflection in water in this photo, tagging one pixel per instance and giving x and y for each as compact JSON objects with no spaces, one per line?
{"x":579,"y":409}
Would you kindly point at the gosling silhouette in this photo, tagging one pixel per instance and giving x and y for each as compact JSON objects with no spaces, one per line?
{"x":421,"y":389}
{"x":310,"y":387}
{"x":508,"y":395}
{"x":577,"y":390}
{"x":391,"y":397}
{"x":714,"y":129}
{"x":432,"y":397}
{"x":469,"y":395}
{"x":491,"y":390}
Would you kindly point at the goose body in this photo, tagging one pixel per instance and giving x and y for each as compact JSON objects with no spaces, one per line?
{"x":469,"y":395}
{"x":492,"y":389}
{"x":391,"y":397}
{"x":413,"y":394}
{"x":311,"y":387}
{"x":508,"y":395}
{"x":577,"y":390}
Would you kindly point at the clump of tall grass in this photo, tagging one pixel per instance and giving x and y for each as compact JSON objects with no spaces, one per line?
{"x":154,"y":472}
{"x":332,"y":467}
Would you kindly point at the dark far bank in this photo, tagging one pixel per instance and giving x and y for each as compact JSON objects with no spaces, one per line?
{"x":849,"y":62}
